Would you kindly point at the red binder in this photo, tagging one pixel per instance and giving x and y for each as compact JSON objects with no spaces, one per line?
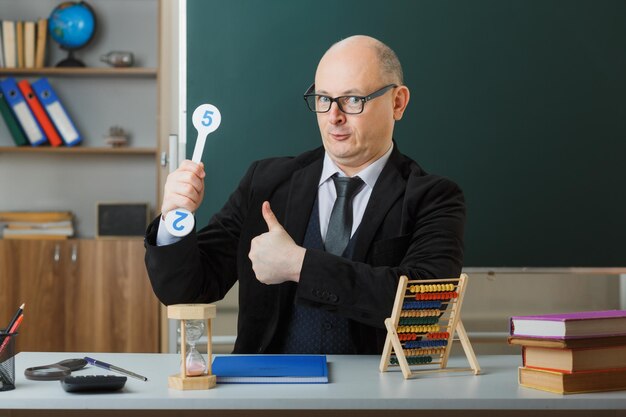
{"x":40,"y":113}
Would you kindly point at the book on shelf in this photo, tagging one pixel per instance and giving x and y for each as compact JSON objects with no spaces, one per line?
{"x":19,"y":43}
{"x":570,"y":325}
{"x":29,"y":44}
{"x":36,"y":237}
{"x":22,"y":112}
{"x":271,"y":369}
{"x":36,"y":225}
{"x":35,"y":216}
{"x":571,"y":383}
{"x":1,"y":48}
{"x":40,"y":114}
{"x":11,"y":122}
{"x":37,"y":233}
{"x":574,"y":360}
{"x":40,"y":47}
{"x":39,"y":225}
{"x":8,"y":43}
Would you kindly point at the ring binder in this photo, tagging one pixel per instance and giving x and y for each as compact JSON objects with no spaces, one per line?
{"x":22,"y":112}
{"x":57,"y":112}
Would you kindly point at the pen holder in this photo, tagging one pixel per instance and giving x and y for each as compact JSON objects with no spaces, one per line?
{"x":7,"y":361}
{"x":191,"y":379}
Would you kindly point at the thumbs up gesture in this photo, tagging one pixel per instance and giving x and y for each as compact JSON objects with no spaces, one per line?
{"x":275,"y":256}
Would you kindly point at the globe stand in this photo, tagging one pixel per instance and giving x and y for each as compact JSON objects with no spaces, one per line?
{"x":72,"y":24}
{"x":70,"y":61}
{"x":184,"y":312}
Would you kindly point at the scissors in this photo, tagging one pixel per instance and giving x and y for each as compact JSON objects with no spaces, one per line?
{"x":54,"y":371}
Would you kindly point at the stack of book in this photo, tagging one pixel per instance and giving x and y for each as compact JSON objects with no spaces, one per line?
{"x":36,"y":225}
{"x":34,"y":114}
{"x":573,"y":352}
{"x":23,"y":43}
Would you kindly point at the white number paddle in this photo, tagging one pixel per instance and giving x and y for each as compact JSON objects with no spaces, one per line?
{"x":206,"y":119}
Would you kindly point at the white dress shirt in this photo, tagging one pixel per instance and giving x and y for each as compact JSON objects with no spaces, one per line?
{"x":326,"y":194}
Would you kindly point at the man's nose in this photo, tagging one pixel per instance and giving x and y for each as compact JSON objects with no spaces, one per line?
{"x":336,"y":116}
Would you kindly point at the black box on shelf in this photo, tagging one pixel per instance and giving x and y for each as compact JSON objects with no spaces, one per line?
{"x":114,"y":220}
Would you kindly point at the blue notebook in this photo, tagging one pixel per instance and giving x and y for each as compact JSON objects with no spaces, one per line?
{"x":271,"y":369}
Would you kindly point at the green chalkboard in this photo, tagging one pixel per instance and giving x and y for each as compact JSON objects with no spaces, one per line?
{"x":523,"y":103}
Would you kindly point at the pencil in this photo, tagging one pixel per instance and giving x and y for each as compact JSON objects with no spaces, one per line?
{"x":14,"y":319}
{"x":12,"y":330}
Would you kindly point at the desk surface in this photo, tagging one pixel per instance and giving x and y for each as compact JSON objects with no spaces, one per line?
{"x":355,"y":384}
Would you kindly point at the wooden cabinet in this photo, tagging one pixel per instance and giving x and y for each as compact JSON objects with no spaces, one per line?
{"x":31,"y":272}
{"x":81,"y":295}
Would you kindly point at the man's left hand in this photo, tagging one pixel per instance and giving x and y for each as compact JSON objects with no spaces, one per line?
{"x":275,"y":256}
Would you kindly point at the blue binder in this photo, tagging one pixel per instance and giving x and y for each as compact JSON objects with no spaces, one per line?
{"x":57,"y":113}
{"x":23,"y":114}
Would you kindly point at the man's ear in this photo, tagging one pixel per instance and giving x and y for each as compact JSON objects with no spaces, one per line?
{"x":400,"y":101}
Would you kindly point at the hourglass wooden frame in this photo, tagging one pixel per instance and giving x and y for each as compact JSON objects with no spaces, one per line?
{"x":448,"y":294}
{"x":184,"y":312}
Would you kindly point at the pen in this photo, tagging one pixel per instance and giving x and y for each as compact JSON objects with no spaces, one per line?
{"x":110,"y":367}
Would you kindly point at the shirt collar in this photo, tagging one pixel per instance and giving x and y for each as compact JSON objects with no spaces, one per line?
{"x":369,"y":174}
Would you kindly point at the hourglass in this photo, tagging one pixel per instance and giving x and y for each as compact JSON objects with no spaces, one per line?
{"x":195,"y":372}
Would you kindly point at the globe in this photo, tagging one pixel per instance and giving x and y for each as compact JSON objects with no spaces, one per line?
{"x":72,"y":25}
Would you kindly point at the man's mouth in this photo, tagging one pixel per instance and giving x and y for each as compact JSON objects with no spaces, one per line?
{"x":339,"y":135}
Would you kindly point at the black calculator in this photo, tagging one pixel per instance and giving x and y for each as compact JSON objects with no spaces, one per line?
{"x":93,"y":383}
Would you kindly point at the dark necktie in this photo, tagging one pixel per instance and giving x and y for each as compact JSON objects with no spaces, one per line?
{"x":340,"y":224}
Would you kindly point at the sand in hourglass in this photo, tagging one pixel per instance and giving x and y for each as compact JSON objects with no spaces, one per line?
{"x":195,"y":369}
{"x":194,"y":362}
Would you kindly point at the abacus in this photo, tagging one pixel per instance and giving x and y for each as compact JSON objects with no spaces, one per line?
{"x":425,"y":317}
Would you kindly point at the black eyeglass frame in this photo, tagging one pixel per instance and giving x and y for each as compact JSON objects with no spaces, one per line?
{"x":364,"y":99}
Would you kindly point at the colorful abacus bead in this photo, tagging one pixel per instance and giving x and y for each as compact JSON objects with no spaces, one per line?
{"x":413,"y":360}
{"x":438,"y":335}
{"x":416,"y":344}
{"x":421,"y":305}
{"x":404,"y":321}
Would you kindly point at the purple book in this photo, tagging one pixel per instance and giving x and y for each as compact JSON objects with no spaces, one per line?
{"x":570,"y":325}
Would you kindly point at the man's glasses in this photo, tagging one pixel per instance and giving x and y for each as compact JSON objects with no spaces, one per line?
{"x":319,"y":103}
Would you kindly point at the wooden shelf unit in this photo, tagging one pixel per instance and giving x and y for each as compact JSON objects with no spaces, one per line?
{"x":96,"y":97}
{"x":79,"y":150}
{"x":78,"y":287}
{"x":81,"y":72}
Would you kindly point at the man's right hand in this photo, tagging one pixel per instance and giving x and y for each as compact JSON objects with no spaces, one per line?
{"x":184,"y":188}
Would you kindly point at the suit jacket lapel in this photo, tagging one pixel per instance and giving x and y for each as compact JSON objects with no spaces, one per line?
{"x":389,"y":187}
{"x":302,"y":195}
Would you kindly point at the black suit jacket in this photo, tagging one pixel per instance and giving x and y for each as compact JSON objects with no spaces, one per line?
{"x":413,"y":225}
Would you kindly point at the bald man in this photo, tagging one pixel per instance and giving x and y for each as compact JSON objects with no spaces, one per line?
{"x":301,"y":288}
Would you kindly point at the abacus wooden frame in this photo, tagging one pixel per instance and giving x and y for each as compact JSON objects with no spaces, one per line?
{"x":452,"y":314}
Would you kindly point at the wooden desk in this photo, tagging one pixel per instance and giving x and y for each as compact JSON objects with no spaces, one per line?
{"x":356,"y":389}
